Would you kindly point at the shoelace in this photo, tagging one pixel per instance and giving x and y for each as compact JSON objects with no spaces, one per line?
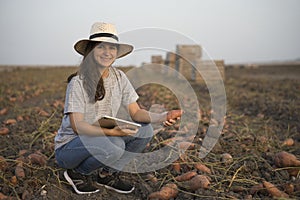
{"x":86,"y":180}
{"x":115,"y":179}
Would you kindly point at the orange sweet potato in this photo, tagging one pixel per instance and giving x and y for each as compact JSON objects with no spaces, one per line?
{"x":294,"y":171}
{"x":174,"y":114}
{"x":186,"y":176}
{"x":186,"y":145}
{"x":152,"y":178}
{"x":42,"y":112}
{"x":4,"y":131}
{"x":3,"y":196}
{"x":167,"y":192}
{"x":288,"y":142}
{"x":3,"y":111}
{"x":19,"y":171}
{"x":20,"y":118}
{"x":256,"y":188}
{"x":274,"y":191}
{"x":14,"y":180}
{"x":285,"y":159}
{"x":176,"y":167}
{"x":289,"y":188}
{"x":202,"y":168}
{"x":10,"y":121}
{"x":22,"y":153}
{"x":199,"y":181}
{"x":36,"y":158}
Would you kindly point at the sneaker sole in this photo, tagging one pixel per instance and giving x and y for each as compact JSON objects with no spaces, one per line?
{"x":67,"y":177}
{"x":114,"y":189}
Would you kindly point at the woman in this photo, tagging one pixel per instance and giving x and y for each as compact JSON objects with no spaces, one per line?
{"x":93,"y":155}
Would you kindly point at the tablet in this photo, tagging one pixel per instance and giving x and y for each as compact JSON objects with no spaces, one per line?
{"x":111,"y":122}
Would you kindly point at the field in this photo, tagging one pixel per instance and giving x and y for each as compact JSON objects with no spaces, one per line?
{"x":263,"y":119}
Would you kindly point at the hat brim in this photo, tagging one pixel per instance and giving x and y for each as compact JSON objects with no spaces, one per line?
{"x":123,"y":50}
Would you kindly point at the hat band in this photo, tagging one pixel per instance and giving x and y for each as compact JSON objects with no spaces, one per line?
{"x":104,"y":35}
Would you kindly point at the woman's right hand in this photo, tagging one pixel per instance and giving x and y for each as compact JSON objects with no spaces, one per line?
{"x":117,"y":131}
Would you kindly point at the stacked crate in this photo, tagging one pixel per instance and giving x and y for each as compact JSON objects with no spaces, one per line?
{"x":187,"y":62}
{"x":157,"y":59}
{"x":170,"y":59}
{"x":186,"y":57}
{"x":170,"y":62}
{"x":157,"y":62}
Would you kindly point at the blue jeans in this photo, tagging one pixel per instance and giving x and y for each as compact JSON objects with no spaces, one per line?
{"x":86,"y":154}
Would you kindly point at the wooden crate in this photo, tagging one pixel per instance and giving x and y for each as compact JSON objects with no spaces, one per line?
{"x":157,"y":59}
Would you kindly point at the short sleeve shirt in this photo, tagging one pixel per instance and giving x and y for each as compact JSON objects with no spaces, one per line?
{"x":118,"y":92}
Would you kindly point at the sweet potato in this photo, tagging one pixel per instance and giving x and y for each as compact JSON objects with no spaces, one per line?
{"x":20,"y":118}
{"x":14,"y":180}
{"x":285,"y":159}
{"x":288,"y":142}
{"x":3,"y":196}
{"x":256,"y":188}
{"x":274,"y":191}
{"x":186,"y":176}
{"x":174,"y":114}
{"x":20,"y":160}
{"x":42,"y":112}
{"x":22,"y":152}
{"x":226,"y":158}
{"x":3,"y":164}
{"x":202,"y":168}
{"x":10,"y":121}
{"x":289,"y":188}
{"x":4,"y":131}
{"x":12,"y":99}
{"x":168,"y":191}
{"x":183,"y":157}
{"x":151,"y":178}
{"x":186,"y":145}
{"x":19,"y":171}
{"x":294,"y":171}
{"x":36,"y":158}
{"x":3,"y":111}
{"x":199,"y":181}
{"x":176,"y":167}
{"x":237,"y":188}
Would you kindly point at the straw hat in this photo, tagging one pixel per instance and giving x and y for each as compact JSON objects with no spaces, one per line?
{"x":103,"y":32}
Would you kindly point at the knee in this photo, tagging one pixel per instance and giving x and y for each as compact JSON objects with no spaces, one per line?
{"x":117,"y":143}
{"x":146,"y":132}
{"x":113,"y":150}
{"x":104,"y":146}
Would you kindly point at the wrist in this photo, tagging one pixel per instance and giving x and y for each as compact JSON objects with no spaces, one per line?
{"x":106,"y":131}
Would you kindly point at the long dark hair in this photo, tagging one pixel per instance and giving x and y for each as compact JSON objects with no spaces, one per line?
{"x":89,"y":73}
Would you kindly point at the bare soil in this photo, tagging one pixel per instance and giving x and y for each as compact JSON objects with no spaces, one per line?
{"x":263,"y":110}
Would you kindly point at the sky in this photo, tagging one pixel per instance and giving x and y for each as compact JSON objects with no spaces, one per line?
{"x":43,"y":32}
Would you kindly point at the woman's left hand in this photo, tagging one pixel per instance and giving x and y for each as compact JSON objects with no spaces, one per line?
{"x":170,"y":122}
{"x":172,"y":117}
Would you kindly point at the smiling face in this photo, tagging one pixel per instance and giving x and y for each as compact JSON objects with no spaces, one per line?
{"x":105,"y":54}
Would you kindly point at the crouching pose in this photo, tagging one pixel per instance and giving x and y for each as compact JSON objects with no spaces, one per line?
{"x":94,"y":155}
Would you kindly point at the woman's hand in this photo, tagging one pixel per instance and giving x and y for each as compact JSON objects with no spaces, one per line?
{"x":117,"y":131}
{"x":140,"y":115}
{"x":170,"y":122}
{"x":174,"y":114}
{"x":172,"y":117}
